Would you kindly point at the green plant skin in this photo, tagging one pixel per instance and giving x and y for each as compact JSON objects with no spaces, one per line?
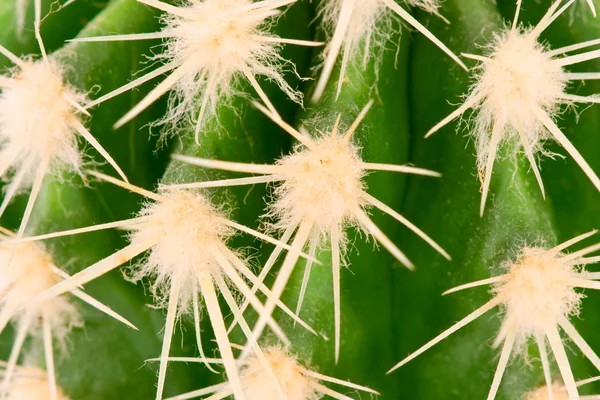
{"x":387,"y":311}
{"x":56,"y":27}
{"x":463,"y":365}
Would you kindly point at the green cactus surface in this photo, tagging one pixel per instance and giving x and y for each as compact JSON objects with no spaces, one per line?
{"x":287,"y":153}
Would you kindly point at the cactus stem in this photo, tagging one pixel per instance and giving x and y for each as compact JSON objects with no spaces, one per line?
{"x":321,"y":192}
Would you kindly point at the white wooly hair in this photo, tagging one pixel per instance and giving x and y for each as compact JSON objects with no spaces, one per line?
{"x":541,"y":82}
{"x":369,"y":22}
{"x":234,"y":49}
{"x":558,"y":391}
{"x":536,"y":293}
{"x":37,"y":122}
{"x":555,"y":392}
{"x":190,"y":228}
{"x":520,"y":88}
{"x":324,"y":184}
{"x":259,"y":374}
{"x":210,"y":47}
{"x":31,"y":273}
{"x":431,"y":6}
{"x":290,"y":375}
{"x":31,"y":383}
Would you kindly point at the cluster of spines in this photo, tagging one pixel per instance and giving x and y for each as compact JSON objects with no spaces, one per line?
{"x":302,"y":206}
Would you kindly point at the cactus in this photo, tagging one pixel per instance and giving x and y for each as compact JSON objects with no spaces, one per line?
{"x":236,"y":199}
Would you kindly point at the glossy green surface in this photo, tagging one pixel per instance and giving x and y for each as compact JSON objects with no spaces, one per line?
{"x":387,"y":310}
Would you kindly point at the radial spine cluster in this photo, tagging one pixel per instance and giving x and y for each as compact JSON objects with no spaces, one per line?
{"x":30,"y":273}
{"x":537,"y":296}
{"x":210,"y":45}
{"x":320,"y":194}
{"x":358,"y":22}
{"x":518,"y":92}
{"x":40,"y":125}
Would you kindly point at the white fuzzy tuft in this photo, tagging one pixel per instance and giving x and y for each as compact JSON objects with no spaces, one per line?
{"x":27,"y":272}
{"x":322,"y":184}
{"x":290,"y":375}
{"x":366,"y":18}
{"x":217,"y":44}
{"x":278,"y":375}
{"x":189,"y":229}
{"x":185,"y":236}
{"x":30,"y":383}
{"x":431,"y":6}
{"x":37,"y":122}
{"x":39,"y":126}
{"x":537,"y":292}
{"x":367,"y":24}
{"x":31,"y":273}
{"x":559,"y":392}
{"x":210,"y":47}
{"x":518,"y":76}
